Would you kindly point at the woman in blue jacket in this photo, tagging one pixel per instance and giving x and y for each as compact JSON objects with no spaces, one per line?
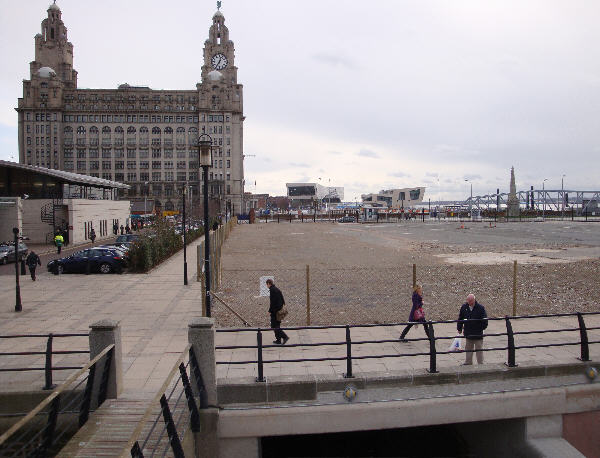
{"x":417,"y":303}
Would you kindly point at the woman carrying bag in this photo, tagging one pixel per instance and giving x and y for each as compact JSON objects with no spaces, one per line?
{"x":417,"y":315}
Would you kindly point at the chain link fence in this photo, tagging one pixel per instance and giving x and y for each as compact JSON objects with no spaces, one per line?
{"x":326,"y":296}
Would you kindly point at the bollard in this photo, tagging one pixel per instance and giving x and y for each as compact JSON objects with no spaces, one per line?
{"x":432,"y":351}
{"x":102,"y":334}
{"x":307,"y":295}
{"x":23,"y":271}
{"x":414,"y":275}
{"x":48,"y":365}
{"x":515,"y":289}
{"x":259,"y":359}
{"x":348,"y":373}
{"x":511,"y":344}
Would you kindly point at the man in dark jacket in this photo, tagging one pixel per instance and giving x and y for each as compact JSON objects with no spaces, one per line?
{"x":32,"y":261}
{"x":472,"y":315}
{"x":276,"y":303}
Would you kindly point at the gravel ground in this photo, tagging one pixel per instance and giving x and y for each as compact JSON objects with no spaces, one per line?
{"x":362,"y":273}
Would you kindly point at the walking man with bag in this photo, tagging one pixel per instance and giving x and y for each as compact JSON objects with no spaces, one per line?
{"x":276,"y":303}
{"x":472,"y":315}
{"x":32,"y":261}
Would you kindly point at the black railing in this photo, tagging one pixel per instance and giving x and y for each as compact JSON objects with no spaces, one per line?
{"x":48,"y":353}
{"x":510,"y":348}
{"x":65,"y":412}
{"x":175,"y":417}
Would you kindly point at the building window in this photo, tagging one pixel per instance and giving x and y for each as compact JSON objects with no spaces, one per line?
{"x":144,"y":176}
{"x":106,"y":165}
{"x":131,"y":165}
{"x":80,"y":165}
{"x":119,"y":165}
{"x":156,"y":164}
{"x":119,"y":177}
{"x":131,"y":176}
{"x":156,"y":176}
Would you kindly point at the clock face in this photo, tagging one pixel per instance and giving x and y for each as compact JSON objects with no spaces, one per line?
{"x":219,"y":61}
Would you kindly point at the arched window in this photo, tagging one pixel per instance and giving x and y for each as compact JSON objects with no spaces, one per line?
{"x":131,"y":130}
{"x":68,"y":130}
{"x":106,"y":130}
{"x":94,"y":130}
{"x":192,"y":135}
{"x":143,"y":130}
{"x":156,"y":131}
{"x":180,"y":135}
{"x":118,"y":130}
{"x":168,"y":130}
{"x":80,"y":130}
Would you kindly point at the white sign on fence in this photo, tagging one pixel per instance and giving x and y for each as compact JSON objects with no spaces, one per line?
{"x":262,"y":287}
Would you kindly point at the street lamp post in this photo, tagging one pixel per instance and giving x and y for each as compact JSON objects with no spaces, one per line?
{"x":205,"y":161}
{"x":185,"y":278}
{"x":18,"y":306}
{"x":562,"y":191}
{"x":471,"y":199}
{"x":544,"y":193}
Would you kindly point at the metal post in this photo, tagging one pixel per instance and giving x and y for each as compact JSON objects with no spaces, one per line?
{"x":585,"y":350}
{"x":103,"y":391}
{"x":185,"y":278}
{"x":84,"y":410}
{"x":189,"y":394}
{"x":515,"y":288}
{"x":432,"y":351}
{"x":48,"y":435}
{"x":48,"y":366}
{"x":18,"y":306}
{"x":195,"y":370}
{"x":171,"y":429}
{"x":259,"y":358}
{"x":511,"y":344}
{"x":206,"y":242}
{"x":348,"y":373}
{"x":307,"y":295}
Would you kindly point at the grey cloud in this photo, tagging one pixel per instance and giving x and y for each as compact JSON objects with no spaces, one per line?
{"x":299,"y":164}
{"x":334,"y":60}
{"x":367,"y":153}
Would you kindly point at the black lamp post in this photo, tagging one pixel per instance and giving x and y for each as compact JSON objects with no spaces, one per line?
{"x":185,"y":279}
{"x":18,"y":306}
{"x":205,"y":161}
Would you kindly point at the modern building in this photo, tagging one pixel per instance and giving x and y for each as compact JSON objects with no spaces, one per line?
{"x":143,"y":137}
{"x":395,"y":198}
{"x":306,"y":194}
{"x":40,"y":201}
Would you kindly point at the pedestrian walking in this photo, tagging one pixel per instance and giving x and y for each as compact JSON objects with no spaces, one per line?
{"x":276,"y":303}
{"x":122,"y":229}
{"x":115,"y":228}
{"x":127,"y":229}
{"x":32,"y":261}
{"x":58,"y":241}
{"x":417,"y":315}
{"x":92,"y":235}
{"x":472,"y":315}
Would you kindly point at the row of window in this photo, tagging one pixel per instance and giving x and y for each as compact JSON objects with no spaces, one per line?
{"x":41,"y":128}
{"x":133,"y":165}
{"x":166,"y":119}
{"x":169,"y":98}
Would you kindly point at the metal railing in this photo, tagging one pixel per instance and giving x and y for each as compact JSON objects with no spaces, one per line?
{"x":66,"y":412}
{"x":510,"y":348}
{"x":48,"y":367}
{"x":175,"y":416}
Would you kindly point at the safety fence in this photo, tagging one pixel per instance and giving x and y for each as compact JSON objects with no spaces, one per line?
{"x":361,"y":295}
{"x":351,"y":345}
{"x":44,"y":430}
{"x":13,"y":361}
{"x":216,"y":240}
{"x":174,"y":407}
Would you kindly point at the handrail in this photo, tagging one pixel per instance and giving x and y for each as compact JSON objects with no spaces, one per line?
{"x":152,"y":405}
{"x":53,"y":395}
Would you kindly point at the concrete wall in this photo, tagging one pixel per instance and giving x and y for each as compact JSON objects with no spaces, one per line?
{"x":9,"y":218}
{"x":83,"y":211}
{"x":33,"y":226}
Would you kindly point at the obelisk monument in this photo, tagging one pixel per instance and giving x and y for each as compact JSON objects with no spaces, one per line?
{"x":513,"y":208}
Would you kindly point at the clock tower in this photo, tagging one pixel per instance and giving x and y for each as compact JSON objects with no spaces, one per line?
{"x":220,"y":106}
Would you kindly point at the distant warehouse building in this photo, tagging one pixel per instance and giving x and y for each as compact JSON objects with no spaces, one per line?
{"x":306,"y":194}
{"x":395,"y":198}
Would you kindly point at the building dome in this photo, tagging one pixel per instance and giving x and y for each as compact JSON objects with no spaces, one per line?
{"x":46,"y":72}
{"x":215,"y":75}
{"x":218,"y":14}
{"x":54,"y":7}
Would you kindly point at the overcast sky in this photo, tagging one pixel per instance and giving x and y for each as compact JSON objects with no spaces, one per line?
{"x":365,"y":95}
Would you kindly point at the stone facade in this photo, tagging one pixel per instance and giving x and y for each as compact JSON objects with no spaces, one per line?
{"x":143,"y":137}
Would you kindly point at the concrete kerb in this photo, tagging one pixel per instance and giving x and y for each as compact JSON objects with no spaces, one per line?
{"x":245,"y":390}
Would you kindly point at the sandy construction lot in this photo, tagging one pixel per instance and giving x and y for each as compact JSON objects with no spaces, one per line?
{"x":362,"y":273}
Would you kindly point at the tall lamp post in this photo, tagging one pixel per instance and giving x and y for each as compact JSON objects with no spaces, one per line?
{"x":185,"y":278}
{"x":18,"y":306}
{"x":562,"y":191}
{"x":544,"y":193}
{"x":471,"y":199}
{"x":205,"y":161}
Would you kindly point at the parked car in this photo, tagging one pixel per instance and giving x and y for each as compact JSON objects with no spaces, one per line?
{"x":7,"y":252}
{"x":103,"y":260}
{"x":126,"y":240}
{"x":347,"y":219}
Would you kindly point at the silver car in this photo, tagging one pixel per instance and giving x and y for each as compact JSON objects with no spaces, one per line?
{"x":7,"y":252}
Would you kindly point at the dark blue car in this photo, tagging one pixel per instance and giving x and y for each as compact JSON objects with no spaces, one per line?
{"x":103,"y":260}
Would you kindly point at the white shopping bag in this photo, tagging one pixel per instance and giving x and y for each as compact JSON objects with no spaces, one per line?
{"x":456,"y":344}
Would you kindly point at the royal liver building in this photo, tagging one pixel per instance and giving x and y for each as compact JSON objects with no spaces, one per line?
{"x":143,"y":137}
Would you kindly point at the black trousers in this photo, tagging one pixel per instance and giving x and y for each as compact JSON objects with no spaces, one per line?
{"x":410,"y":325}
{"x":279,"y":334}
{"x":58,"y":247}
{"x":32,"y":272}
